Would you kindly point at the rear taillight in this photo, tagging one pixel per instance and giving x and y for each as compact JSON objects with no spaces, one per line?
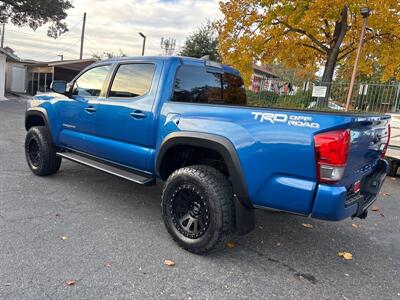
{"x":331,"y":152}
{"x":387,"y":143}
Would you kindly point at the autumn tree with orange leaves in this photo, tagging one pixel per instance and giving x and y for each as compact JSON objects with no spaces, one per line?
{"x":307,"y":35}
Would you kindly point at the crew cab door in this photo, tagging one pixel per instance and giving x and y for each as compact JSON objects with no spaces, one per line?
{"x":78,"y":113}
{"x":124,"y":116}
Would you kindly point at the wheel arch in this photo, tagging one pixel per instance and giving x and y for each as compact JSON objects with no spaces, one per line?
{"x":36,"y":117}
{"x":213,"y":142}
{"x":244,"y":212}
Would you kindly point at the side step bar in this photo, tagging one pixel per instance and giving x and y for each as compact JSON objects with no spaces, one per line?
{"x":131,"y":176}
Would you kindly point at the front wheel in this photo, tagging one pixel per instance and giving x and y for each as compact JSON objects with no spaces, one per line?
{"x":197,"y":208}
{"x":40,"y":152}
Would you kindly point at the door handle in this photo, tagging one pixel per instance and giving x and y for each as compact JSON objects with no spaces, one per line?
{"x":90,"y":109}
{"x":137,"y":114}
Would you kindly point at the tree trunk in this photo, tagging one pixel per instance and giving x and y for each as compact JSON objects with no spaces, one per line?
{"x":333,"y":54}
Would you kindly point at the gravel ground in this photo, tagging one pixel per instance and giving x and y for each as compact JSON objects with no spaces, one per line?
{"x":115,"y":242}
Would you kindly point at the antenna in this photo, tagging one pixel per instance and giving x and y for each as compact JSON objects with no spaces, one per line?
{"x":168,"y":45}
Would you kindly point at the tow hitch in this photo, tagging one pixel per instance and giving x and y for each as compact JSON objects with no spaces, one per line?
{"x":370,"y":187}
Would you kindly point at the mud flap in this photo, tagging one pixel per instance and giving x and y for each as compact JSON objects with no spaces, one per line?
{"x":245,"y":218}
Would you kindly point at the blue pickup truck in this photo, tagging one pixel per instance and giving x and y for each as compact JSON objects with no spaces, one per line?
{"x":186,"y":121}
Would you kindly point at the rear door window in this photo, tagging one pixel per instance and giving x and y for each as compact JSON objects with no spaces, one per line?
{"x":132,"y":80}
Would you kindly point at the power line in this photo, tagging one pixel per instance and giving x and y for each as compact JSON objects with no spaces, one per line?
{"x":39,"y":42}
{"x":60,"y":50}
{"x":35,"y":33}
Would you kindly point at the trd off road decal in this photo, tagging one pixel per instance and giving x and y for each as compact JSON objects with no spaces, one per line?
{"x":291,"y":120}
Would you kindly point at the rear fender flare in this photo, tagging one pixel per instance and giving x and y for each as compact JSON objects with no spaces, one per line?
{"x":214,"y":142}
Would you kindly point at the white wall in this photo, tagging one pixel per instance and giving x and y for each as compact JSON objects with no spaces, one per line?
{"x":16,"y":78}
{"x":2,"y":74}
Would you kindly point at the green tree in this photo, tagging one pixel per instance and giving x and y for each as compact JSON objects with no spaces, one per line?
{"x":108,"y":55}
{"x":204,"y":41}
{"x":35,"y":13}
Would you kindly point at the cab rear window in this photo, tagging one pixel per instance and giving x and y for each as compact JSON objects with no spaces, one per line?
{"x":198,"y":85}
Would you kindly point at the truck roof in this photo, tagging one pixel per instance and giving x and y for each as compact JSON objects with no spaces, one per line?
{"x":184,"y":60}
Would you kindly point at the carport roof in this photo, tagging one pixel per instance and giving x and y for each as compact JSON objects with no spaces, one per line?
{"x":73,"y":64}
{"x":9,"y":56}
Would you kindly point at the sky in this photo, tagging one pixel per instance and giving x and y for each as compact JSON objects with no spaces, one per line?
{"x":112,"y":25}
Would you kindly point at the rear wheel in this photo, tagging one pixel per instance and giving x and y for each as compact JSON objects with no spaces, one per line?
{"x":197,"y":208}
{"x":40,"y":152}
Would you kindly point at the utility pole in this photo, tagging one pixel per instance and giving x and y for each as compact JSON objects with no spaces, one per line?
{"x":144,"y":42}
{"x":82,"y":35}
{"x":2,"y":35}
{"x":365,"y":12}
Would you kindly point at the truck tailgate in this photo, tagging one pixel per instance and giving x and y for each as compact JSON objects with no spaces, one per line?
{"x":369,"y":138}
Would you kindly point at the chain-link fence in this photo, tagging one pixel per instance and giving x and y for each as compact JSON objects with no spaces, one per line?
{"x":366,"y":97}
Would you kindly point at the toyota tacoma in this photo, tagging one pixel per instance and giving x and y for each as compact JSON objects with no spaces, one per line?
{"x":186,"y":121}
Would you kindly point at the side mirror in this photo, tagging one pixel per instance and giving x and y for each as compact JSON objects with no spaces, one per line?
{"x":59,"y":86}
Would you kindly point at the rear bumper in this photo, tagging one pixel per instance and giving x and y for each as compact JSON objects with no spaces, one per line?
{"x":334,"y":203}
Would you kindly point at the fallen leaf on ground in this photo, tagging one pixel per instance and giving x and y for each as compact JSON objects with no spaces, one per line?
{"x":108,"y":265}
{"x":71,"y":282}
{"x":230,"y":245}
{"x":57,"y":214}
{"x":277,"y":244}
{"x":382,"y":215}
{"x":307,"y":225}
{"x":64,"y":238}
{"x":169,"y":262}
{"x":375,"y":208}
{"x":384,"y":194}
{"x":346,"y":255}
{"x":355,"y":225}
{"x":393,"y":178}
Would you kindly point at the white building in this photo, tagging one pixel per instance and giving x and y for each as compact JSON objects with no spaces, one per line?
{"x":8,"y":63}
{"x":29,"y":76}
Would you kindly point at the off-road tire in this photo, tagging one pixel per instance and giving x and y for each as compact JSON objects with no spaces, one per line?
{"x":210,"y":186}
{"x":38,"y":141}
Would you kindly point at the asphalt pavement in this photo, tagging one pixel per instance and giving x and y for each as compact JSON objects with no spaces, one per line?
{"x":105,"y":235}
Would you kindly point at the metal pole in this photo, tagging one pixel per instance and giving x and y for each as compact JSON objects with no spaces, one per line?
{"x":82,"y":35}
{"x":2,"y":36}
{"x":33,"y":83}
{"x":144,"y":45}
{"x":38,"y":83}
{"x":144,"y":42}
{"x":396,"y":103}
{"x":353,"y":76}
